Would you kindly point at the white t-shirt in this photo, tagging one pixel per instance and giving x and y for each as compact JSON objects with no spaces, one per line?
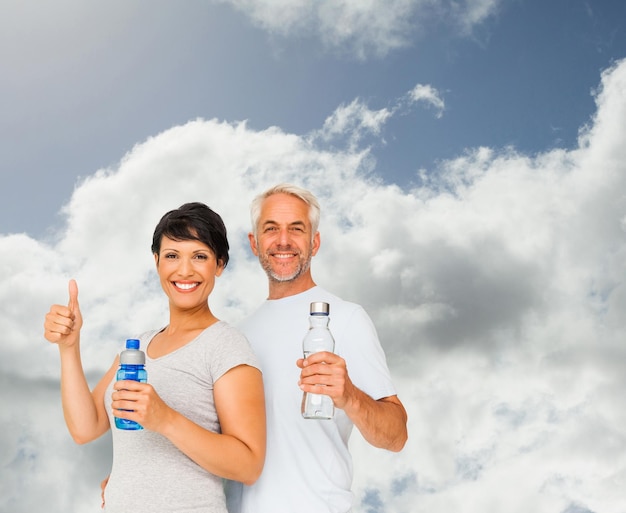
{"x":150,"y":474}
{"x":308,"y":467}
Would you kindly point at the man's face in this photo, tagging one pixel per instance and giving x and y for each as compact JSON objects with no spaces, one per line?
{"x":284,"y":243}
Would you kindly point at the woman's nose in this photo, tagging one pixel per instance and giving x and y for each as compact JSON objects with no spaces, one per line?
{"x":185,"y":268}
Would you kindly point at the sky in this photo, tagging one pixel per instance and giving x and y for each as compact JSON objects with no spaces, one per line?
{"x":470,"y":160}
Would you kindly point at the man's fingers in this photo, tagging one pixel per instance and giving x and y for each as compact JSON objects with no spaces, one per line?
{"x":321,"y":357}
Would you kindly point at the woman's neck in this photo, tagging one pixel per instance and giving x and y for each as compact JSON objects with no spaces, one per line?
{"x":185,"y":320}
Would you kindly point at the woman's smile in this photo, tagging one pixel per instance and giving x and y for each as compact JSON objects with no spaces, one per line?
{"x":186,"y":286}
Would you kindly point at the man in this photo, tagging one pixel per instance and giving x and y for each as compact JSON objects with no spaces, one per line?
{"x":308,"y":467}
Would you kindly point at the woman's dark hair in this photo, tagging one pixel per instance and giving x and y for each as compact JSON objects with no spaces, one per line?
{"x":193,"y":221}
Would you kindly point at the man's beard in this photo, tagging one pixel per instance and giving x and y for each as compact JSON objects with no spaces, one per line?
{"x":303,"y":267}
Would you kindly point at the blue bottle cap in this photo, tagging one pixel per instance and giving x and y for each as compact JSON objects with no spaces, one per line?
{"x":132,"y":343}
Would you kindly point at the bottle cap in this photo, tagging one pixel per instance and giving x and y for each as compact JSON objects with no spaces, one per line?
{"x":132,"y":343}
{"x":132,"y":355}
{"x":319,"y":308}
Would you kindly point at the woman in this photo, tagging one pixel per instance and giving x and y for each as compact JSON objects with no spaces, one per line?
{"x":203,"y":406}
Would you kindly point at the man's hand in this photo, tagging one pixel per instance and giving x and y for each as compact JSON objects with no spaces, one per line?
{"x":103,"y":485}
{"x":382,"y":422}
{"x":326,"y":373}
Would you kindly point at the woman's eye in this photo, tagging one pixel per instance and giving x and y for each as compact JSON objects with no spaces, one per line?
{"x":170,"y":255}
{"x":200,"y":256}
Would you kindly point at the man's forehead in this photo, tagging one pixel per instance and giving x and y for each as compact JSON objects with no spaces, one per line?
{"x":284,"y":207}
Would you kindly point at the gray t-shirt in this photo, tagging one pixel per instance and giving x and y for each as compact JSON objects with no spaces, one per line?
{"x":149,"y":474}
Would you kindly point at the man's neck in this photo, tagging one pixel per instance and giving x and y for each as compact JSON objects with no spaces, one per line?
{"x":281,"y":289}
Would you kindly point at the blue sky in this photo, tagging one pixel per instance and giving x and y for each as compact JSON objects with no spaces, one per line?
{"x":84,"y":83}
{"x":470,"y":161}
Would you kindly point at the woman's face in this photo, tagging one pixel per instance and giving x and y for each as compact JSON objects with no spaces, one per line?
{"x":187,"y":270}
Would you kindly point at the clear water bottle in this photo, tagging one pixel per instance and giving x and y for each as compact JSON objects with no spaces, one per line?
{"x":318,"y":338}
{"x":132,"y":366}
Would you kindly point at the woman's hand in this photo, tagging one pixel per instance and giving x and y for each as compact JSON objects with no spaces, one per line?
{"x":63,"y":323}
{"x":137,"y":401}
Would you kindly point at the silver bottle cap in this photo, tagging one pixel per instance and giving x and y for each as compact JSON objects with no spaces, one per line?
{"x":132,"y":355}
{"x":319,"y":308}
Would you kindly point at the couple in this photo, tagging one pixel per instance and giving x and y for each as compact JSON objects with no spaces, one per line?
{"x":210,"y":424}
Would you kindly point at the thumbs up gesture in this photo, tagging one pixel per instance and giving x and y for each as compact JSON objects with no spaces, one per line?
{"x":63,"y":323}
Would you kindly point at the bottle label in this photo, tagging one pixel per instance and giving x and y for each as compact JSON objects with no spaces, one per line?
{"x":132,"y":373}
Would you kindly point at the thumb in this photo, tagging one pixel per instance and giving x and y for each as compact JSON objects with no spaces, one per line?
{"x":73,"y":289}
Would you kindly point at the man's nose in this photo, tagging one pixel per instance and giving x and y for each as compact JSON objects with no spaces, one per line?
{"x":284,"y":237}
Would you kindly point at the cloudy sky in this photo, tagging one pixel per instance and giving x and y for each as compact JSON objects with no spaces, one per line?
{"x":470,"y":158}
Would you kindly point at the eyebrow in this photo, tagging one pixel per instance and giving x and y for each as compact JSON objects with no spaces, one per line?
{"x":294,"y":223}
{"x":201,"y":250}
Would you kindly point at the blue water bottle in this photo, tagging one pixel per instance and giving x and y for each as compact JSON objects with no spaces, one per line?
{"x":132,"y":366}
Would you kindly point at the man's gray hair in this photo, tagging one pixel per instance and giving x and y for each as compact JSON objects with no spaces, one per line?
{"x":286,"y":188}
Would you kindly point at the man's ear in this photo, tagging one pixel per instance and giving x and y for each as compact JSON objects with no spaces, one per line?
{"x":253,"y":245}
{"x":316,"y":243}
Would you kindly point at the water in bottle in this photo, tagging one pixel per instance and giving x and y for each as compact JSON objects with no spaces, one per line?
{"x":318,"y":338}
{"x":132,"y":366}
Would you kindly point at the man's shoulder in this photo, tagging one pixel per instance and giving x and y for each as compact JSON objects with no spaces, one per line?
{"x":293,"y":305}
{"x":339,"y":308}
{"x":332,"y":297}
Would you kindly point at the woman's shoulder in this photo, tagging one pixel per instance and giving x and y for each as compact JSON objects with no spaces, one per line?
{"x":146,"y":336}
{"x":224,"y":328}
{"x":226,"y":343}
{"x":223,"y":332}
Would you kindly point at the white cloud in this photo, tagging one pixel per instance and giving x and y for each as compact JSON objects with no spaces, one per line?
{"x":471,"y":13}
{"x":497,"y":288}
{"x":350,"y":124}
{"x":364,"y":27}
{"x":429,"y":95}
